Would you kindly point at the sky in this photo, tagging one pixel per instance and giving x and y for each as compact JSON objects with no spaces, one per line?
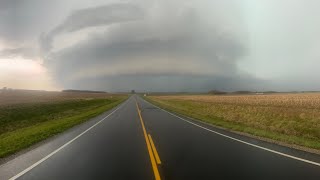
{"x":160,"y":45}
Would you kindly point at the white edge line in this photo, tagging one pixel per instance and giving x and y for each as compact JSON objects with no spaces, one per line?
{"x":61,"y":147}
{"x":244,"y":142}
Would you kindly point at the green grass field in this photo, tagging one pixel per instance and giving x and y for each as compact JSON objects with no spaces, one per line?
{"x":287,"y":122}
{"x":25,"y":124}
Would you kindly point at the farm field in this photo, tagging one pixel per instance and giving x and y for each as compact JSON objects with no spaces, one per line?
{"x":29,"y":96}
{"x":27,"y":117}
{"x":289,"y":118}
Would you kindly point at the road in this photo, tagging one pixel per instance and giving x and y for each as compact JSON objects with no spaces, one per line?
{"x":138,"y":140}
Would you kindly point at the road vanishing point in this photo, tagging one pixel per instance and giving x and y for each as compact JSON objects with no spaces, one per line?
{"x":138,"y":140}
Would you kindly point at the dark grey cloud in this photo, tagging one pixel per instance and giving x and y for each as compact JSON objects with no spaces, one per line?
{"x":180,"y":53}
{"x":159,"y":44}
{"x":93,"y":17}
{"x":7,"y":4}
{"x":22,"y":21}
{"x":97,"y":16}
{"x":167,"y":83}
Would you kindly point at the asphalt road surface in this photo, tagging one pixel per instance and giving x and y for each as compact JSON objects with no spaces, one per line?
{"x":138,"y":140}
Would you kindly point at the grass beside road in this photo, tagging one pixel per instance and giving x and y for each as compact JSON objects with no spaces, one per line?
{"x":25,"y":124}
{"x":287,"y":123}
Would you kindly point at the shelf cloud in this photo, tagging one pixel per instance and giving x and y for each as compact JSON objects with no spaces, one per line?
{"x":155,"y":45}
{"x":149,"y":43}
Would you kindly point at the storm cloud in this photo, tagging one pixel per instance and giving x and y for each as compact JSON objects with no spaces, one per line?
{"x":92,"y":17}
{"x":166,"y":45}
{"x":148,"y":47}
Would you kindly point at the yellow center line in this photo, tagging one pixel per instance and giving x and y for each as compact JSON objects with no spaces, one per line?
{"x":155,"y":153}
{"x":152,"y":158}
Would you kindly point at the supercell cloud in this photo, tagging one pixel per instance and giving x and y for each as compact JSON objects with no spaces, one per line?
{"x":157,"y":45}
{"x":162,"y":46}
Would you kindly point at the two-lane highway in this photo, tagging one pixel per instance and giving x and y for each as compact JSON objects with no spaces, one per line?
{"x":112,"y":149}
{"x":138,"y":140}
{"x":191,"y":150}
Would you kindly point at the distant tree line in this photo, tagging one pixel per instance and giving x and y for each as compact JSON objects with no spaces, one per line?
{"x":82,"y":91}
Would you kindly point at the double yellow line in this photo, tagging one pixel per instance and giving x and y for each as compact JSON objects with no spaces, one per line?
{"x":153,"y":154}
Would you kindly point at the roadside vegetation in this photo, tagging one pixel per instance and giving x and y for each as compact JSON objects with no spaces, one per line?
{"x":22,"y":125}
{"x":290,"y":118}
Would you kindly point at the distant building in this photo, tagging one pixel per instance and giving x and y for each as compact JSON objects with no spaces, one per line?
{"x":133,"y":91}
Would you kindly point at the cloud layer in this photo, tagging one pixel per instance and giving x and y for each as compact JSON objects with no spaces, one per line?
{"x":93,"y":17}
{"x":147,"y":45}
{"x":165,"y":45}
